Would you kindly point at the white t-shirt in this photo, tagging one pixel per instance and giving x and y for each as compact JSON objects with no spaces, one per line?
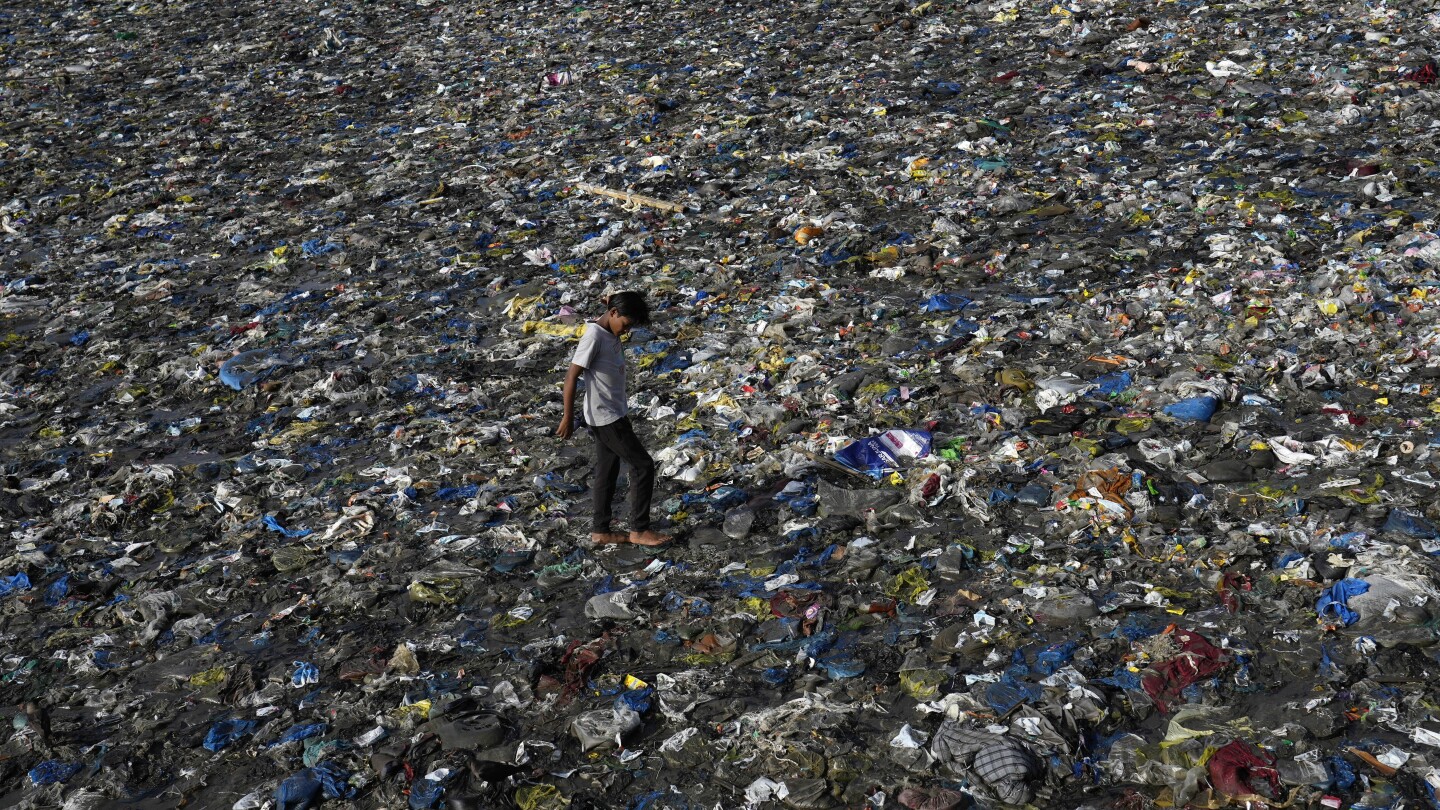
{"x":602,"y":356}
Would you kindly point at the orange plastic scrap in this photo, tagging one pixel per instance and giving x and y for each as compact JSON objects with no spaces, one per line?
{"x":1369,"y":759}
{"x":1111,"y":360}
{"x":1106,"y":485}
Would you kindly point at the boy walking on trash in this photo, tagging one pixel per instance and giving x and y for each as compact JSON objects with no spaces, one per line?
{"x":600,"y":357}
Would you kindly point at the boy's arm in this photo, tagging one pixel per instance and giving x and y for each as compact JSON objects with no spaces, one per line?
{"x":567,"y":422}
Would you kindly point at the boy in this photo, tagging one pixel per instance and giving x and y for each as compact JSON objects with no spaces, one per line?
{"x":601,"y":358}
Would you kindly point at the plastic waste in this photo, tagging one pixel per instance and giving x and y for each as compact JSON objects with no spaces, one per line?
{"x":1080,"y":393}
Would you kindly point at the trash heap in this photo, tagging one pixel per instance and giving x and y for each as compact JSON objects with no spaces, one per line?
{"x":1044,"y":396}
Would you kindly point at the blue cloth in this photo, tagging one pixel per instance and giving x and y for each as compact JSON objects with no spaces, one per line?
{"x":1333,"y":602}
{"x":1122,"y":678}
{"x":299,"y":792}
{"x":334,"y":781}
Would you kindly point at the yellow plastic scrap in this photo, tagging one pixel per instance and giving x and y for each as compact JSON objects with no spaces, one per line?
{"x":908,"y":585}
{"x":722,"y":401}
{"x":757,"y":607}
{"x":297,"y":430}
{"x":1133,"y":424}
{"x":540,"y":797}
{"x":775,"y":362}
{"x":1015,"y":378}
{"x":699,"y":659}
{"x":922,"y":684}
{"x":885,"y":256}
{"x":167,"y":500}
{"x":1171,"y":593}
{"x":520,"y":306}
{"x":439,"y":592}
{"x":513,"y":618}
{"x":420,"y":708}
{"x":1273,"y":493}
{"x":210,"y":677}
{"x":553,"y":329}
{"x":1363,"y":495}
{"x":873,"y":391}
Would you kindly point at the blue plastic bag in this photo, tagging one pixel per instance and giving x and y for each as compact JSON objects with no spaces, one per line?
{"x":14,"y":584}
{"x":53,"y":770}
{"x":1334,"y":601}
{"x":247,"y":368}
{"x":636,"y":699}
{"x":879,"y":454}
{"x":275,"y":526}
{"x":839,"y":667}
{"x":944,"y":302}
{"x":305,"y":789}
{"x":1401,"y":522}
{"x":57,"y":591}
{"x":1113,"y":383}
{"x":305,"y":674}
{"x":425,"y":794}
{"x":1057,"y":655}
{"x":225,"y":732}
{"x":1194,"y":409}
{"x":300,"y":731}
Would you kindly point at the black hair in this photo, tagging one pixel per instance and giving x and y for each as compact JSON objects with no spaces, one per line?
{"x":631,"y":304}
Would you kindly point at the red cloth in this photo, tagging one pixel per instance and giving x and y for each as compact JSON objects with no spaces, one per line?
{"x":1198,"y":660}
{"x":1425,"y":74}
{"x":1239,"y":770}
{"x":578,"y":659}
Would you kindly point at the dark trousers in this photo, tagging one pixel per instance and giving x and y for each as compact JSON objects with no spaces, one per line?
{"x":614,"y":443}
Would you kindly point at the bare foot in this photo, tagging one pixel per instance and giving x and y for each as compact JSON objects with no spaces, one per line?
{"x":649,"y":538}
{"x":609,"y":538}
